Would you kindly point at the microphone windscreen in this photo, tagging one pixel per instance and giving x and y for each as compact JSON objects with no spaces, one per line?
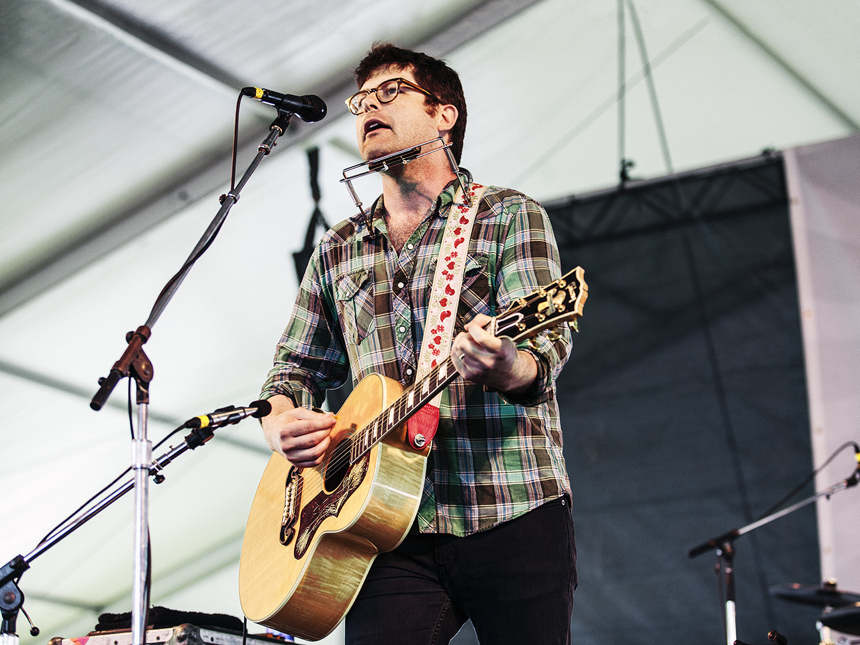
{"x":319,"y":108}
{"x":263,"y":408}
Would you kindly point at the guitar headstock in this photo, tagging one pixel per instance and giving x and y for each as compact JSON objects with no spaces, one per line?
{"x":556,"y":303}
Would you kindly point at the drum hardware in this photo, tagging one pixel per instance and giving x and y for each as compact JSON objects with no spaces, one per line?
{"x":824,"y":595}
{"x":844,"y":619}
{"x":723,"y":546}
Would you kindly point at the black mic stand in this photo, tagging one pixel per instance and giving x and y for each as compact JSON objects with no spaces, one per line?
{"x":135,"y":364}
{"x":723,"y":544}
{"x":11,"y":596}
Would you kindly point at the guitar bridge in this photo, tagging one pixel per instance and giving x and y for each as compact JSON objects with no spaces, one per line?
{"x":292,"y":501}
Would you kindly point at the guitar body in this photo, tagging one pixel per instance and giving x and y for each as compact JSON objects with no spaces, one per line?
{"x":347,"y":515}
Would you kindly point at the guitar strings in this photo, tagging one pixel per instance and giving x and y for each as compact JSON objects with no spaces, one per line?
{"x":400,"y":408}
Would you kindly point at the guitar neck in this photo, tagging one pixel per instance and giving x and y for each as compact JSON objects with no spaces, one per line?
{"x":403,"y":408}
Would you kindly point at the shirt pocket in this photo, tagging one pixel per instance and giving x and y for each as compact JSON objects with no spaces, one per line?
{"x":355,"y":305}
{"x":475,"y":297}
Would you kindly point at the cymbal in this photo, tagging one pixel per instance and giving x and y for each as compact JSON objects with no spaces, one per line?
{"x":823,"y":595}
{"x":843,"y":619}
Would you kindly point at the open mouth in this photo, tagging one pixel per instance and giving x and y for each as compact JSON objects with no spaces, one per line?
{"x":372,"y":125}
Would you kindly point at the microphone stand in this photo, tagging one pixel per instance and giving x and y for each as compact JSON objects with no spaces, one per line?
{"x":135,"y":364}
{"x":723,"y":544}
{"x":11,"y":596}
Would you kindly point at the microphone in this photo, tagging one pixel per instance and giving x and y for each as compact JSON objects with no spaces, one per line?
{"x":309,"y":108}
{"x":229,"y":415}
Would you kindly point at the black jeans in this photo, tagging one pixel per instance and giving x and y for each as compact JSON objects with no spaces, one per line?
{"x":514,"y":581}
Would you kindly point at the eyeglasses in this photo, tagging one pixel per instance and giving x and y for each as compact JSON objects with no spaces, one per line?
{"x":385,"y":92}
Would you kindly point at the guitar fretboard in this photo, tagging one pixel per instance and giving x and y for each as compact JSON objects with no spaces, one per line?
{"x":403,"y":408}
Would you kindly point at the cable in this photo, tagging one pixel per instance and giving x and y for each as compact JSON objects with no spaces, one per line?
{"x":794,"y":491}
{"x":235,"y":150}
{"x":84,"y":507}
{"x":622,"y":90}
{"x":596,"y":113}
{"x":652,"y":88}
{"x":196,"y":256}
{"x":130,"y":412}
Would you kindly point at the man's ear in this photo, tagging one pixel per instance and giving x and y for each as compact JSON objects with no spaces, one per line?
{"x":446,"y":119}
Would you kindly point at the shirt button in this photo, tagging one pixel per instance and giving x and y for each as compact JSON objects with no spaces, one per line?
{"x":410,"y":246}
{"x":409,"y":371}
{"x":400,"y":285}
{"x":401,"y":329}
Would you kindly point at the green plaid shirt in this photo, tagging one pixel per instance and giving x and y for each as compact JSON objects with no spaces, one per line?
{"x":361,"y":310}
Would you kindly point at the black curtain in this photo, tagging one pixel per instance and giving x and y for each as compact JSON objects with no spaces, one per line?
{"x":684,"y":407}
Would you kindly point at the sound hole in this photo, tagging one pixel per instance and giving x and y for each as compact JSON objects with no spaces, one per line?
{"x":337,"y":467}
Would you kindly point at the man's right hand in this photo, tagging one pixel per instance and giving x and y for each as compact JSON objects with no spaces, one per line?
{"x":299,"y":434}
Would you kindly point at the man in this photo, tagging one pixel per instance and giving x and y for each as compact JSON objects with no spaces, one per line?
{"x":493,"y":540}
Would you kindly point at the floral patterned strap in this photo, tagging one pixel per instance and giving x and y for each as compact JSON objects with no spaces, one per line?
{"x":447,"y":283}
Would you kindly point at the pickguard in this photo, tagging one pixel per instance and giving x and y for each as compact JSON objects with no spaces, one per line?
{"x":326,"y":505}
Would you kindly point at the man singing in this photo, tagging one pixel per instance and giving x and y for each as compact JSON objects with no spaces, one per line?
{"x":493,"y":537}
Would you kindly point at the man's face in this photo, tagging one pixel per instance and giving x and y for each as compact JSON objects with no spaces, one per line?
{"x":388,"y":127}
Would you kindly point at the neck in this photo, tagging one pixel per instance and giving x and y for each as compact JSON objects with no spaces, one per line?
{"x":411,"y":189}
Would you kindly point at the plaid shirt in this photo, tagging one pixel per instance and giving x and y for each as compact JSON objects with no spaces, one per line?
{"x":361,"y":309}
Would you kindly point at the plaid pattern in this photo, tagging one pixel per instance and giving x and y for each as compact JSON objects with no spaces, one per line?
{"x":361,"y":309}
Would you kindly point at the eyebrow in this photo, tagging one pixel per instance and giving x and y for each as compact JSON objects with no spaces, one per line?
{"x":393,"y":78}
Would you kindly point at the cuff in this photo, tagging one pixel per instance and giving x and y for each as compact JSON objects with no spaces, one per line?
{"x":539,"y":392}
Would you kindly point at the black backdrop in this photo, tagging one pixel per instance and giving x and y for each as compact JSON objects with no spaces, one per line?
{"x":684,"y":407}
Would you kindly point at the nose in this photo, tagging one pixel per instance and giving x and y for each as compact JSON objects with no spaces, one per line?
{"x":371,"y":100}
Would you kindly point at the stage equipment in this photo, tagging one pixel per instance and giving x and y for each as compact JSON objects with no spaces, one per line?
{"x":308,"y":108}
{"x":135,"y":364}
{"x":843,"y":619}
{"x":11,"y":596}
{"x":824,"y":595}
{"x":723,"y":545}
{"x":185,"y":634}
{"x":832,"y":599}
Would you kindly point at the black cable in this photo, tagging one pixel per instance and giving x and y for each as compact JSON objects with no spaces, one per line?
{"x":652,"y":88}
{"x":584,"y":123}
{"x":101,"y":492}
{"x":235,"y":144}
{"x":191,"y":260}
{"x":794,"y":491}
{"x":130,"y":413}
{"x":62,"y":524}
{"x":622,"y":91}
{"x":729,"y":431}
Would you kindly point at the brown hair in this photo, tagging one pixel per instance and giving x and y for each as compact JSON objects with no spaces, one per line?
{"x":430,"y":73}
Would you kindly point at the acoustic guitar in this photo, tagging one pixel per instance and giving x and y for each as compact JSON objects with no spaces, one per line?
{"x":313,"y":533}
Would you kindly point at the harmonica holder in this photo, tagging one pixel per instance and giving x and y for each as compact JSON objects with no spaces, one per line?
{"x":399,"y":158}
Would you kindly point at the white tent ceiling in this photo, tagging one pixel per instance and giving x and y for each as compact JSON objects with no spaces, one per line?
{"x":115,"y":125}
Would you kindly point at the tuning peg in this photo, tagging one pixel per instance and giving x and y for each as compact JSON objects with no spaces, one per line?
{"x":554,"y":334}
{"x":574,"y":325}
{"x":533,"y":344}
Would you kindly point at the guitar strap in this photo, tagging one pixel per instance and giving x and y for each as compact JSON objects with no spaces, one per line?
{"x":442,"y":309}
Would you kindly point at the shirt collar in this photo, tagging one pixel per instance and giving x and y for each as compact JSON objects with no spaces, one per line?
{"x":446,"y":197}
{"x":443,"y":203}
